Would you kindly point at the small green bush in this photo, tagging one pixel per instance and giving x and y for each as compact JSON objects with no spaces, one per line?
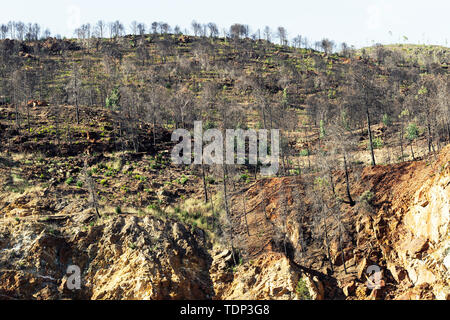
{"x":244,"y":177}
{"x":412,"y":131}
{"x":367,"y":196}
{"x":113,"y":100}
{"x":304,"y":153}
{"x":376,"y":143}
{"x":183,"y":180}
{"x":210,"y":180}
{"x":302,"y":290}
{"x":153,"y":206}
{"x":387,"y":120}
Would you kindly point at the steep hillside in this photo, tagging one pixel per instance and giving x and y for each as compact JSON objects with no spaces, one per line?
{"x":86,"y":177}
{"x":403,"y":228}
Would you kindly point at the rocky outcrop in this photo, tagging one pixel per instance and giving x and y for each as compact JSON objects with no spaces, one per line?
{"x":426,"y":246}
{"x":122,"y":258}
{"x":270,"y":276}
{"x":403,"y":231}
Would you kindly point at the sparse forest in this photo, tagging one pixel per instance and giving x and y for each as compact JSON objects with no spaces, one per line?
{"x":88,"y":121}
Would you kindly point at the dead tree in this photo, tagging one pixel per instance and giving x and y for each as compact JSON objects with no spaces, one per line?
{"x":227,"y":211}
{"x":91,"y":188}
{"x":245,"y":214}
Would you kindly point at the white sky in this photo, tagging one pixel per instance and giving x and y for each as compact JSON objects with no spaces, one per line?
{"x":357,"y":22}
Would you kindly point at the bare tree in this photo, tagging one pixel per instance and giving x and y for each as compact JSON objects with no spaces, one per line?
{"x":267,"y":34}
{"x":100,"y":28}
{"x":92,"y":190}
{"x":297,"y":41}
{"x":141,"y":29}
{"x":365,"y":99}
{"x":282,"y":35}
{"x":74,"y":88}
{"x":134,"y":28}
{"x":3,"y":31}
{"x":327,"y":45}
{"x":213,"y":30}
{"x":19,"y":30}
{"x":154,"y":27}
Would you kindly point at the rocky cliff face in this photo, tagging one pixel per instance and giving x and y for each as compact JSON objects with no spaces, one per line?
{"x":404,"y":231}
{"x":269,"y":276}
{"x":424,"y":251}
{"x":412,"y":227}
{"x":122,"y":258}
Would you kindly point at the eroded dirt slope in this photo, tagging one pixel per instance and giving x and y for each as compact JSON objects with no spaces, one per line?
{"x":403,"y":229}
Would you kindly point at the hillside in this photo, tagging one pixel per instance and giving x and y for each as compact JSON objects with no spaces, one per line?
{"x":86,"y":176}
{"x":418,"y":55}
{"x":403,"y":229}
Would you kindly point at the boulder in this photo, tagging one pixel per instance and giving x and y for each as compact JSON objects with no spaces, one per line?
{"x":349,"y":289}
{"x":362,"y":268}
{"x":416,"y":246}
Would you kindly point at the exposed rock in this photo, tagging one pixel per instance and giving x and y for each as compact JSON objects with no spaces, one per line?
{"x":131,"y":257}
{"x":315,"y":287}
{"x":349,"y":289}
{"x":270,"y":276}
{"x":416,"y":246}
{"x":125,"y":258}
{"x":362,"y":266}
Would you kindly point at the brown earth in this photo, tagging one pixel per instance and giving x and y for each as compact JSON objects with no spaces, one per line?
{"x":403,"y":229}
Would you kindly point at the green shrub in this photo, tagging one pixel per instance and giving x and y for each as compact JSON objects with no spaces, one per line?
{"x":113,"y":100}
{"x":320,"y":182}
{"x":209,"y":124}
{"x":210,"y":180}
{"x":387,"y":120}
{"x":302,"y":290}
{"x":304,"y":153}
{"x":367,"y":197}
{"x":376,"y":143}
{"x":183,"y":180}
{"x":80,"y":184}
{"x":110,"y":173}
{"x":153,"y":207}
{"x":69,"y":181}
{"x":155,"y":166}
{"x":118,"y":210}
{"x":140,"y":178}
{"x":322,"y":129}
{"x":244,"y":177}
{"x":412,"y":131}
